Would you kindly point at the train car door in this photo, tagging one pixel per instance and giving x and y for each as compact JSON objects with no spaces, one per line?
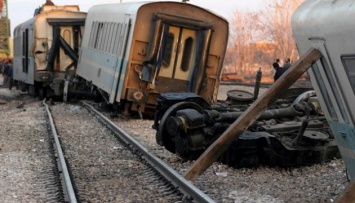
{"x":72,"y":37}
{"x":178,"y":53}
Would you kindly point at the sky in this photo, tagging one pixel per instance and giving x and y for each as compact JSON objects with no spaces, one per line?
{"x":21,"y":10}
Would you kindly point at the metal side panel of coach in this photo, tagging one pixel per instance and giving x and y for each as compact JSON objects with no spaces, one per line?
{"x":106,"y":43}
{"x":333,"y":76}
{"x":23,"y":64}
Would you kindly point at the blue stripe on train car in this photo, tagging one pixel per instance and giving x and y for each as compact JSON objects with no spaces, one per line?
{"x":345,"y":137}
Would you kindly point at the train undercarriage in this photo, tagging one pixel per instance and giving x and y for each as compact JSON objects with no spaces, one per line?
{"x":291,"y":132}
{"x":60,"y":87}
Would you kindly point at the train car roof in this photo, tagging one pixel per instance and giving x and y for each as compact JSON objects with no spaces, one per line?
{"x":49,"y":9}
{"x":323,"y":17}
{"x":46,"y":8}
{"x":327,"y":25}
{"x":132,"y":8}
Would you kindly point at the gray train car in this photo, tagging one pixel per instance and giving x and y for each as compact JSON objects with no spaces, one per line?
{"x":133,"y":52}
{"x":327,"y":25}
{"x":46,"y":49}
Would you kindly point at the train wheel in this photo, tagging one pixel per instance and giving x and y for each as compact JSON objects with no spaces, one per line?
{"x":163,"y":138}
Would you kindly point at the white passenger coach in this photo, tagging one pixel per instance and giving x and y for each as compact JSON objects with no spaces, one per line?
{"x":133,"y":52}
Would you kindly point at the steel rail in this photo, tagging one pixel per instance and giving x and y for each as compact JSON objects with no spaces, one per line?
{"x":183,"y":185}
{"x":67,"y":185}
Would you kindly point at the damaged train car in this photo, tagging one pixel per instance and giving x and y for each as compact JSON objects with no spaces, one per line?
{"x":291,"y":132}
{"x":46,"y":49}
{"x":333,"y":76}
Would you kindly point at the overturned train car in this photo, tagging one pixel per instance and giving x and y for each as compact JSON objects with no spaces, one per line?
{"x":133,"y":52}
{"x":46,"y":49}
{"x":333,"y":76}
{"x":292,"y":132}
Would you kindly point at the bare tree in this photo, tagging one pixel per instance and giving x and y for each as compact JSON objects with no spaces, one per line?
{"x":276,"y":24}
{"x":260,"y":37}
{"x":241,"y":52}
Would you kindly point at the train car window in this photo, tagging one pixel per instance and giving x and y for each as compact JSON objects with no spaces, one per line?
{"x":113,"y":33}
{"x":324,"y":92}
{"x":107,"y":34}
{"x":103,"y":37}
{"x":101,"y":33}
{"x":106,"y":37}
{"x":110,"y":41}
{"x":109,"y":38}
{"x":186,"y":57}
{"x":25,"y":51}
{"x":121,"y":39}
{"x":179,"y":46}
{"x":168,"y":50}
{"x":119,"y":27}
{"x":67,"y":36}
{"x":98,"y":35}
{"x":92,"y":34}
{"x":90,"y":37}
{"x":349,"y":65}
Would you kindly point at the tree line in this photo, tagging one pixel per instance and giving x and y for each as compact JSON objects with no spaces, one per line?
{"x":257,"y":38}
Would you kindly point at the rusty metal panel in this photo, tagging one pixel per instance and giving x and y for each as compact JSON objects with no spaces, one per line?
{"x":171,"y":85}
{"x":139,"y":50}
{"x":180,"y":15}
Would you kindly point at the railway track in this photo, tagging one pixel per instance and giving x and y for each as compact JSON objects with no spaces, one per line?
{"x":104,"y":169}
{"x":96,"y":162}
{"x":27,"y":169}
{"x":96,"y":170}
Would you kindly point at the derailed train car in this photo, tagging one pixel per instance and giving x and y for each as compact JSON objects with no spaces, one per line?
{"x":46,"y":49}
{"x":291,"y":132}
{"x":133,"y":52}
{"x":328,"y":26}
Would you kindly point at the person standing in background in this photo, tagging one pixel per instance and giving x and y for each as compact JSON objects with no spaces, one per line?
{"x":287,"y":63}
{"x":278,"y":70}
{"x":276,"y":66}
{"x":7,"y":73}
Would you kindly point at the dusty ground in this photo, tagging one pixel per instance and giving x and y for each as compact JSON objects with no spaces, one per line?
{"x":318,"y":183}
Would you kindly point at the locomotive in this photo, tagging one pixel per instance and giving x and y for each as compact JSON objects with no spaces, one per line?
{"x":291,"y":132}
